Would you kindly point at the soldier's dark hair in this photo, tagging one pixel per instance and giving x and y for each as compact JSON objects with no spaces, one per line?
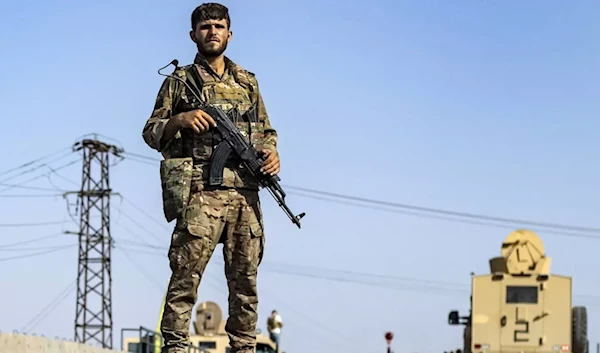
{"x":210,"y":11}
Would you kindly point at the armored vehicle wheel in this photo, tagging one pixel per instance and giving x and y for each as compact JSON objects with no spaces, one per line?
{"x":580,"y":339}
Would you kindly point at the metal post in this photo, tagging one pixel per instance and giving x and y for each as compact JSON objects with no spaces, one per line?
{"x":389,"y":336}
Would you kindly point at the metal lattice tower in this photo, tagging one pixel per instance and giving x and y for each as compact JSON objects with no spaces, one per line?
{"x":93,"y":313}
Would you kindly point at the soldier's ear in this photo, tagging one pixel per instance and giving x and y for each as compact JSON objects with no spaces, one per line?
{"x":193,"y":36}
{"x":229,"y":35}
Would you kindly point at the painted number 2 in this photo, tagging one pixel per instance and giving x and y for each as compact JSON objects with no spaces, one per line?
{"x":521,"y":329}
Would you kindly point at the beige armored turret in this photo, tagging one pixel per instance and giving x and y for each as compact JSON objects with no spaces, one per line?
{"x":209,"y":335}
{"x":520,"y":306}
{"x":209,"y":319}
{"x":522,"y":254}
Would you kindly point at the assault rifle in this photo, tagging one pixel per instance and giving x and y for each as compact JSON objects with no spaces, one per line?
{"x":233,"y":142}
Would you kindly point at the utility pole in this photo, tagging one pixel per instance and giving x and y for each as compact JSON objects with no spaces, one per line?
{"x":389,"y":336}
{"x":93,"y":312}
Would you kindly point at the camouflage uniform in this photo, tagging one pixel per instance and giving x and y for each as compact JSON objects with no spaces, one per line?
{"x":205,"y":216}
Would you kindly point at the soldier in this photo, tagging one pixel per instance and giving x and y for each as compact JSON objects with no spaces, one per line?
{"x":274,"y":325}
{"x":205,"y":216}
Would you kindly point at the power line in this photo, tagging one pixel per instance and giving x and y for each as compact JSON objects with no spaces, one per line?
{"x":34,"y":248}
{"x":154,"y":250}
{"x":139,"y":225}
{"x":135,"y":243}
{"x":40,"y":176}
{"x":447,"y":212}
{"x":42,"y":314}
{"x":369,"y":274}
{"x":145,"y":213}
{"x":140,"y":156}
{"x":16,"y":196}
{"x":33,"y":161}
{"x":344,"y":338}
{"x":402,"y":283}
{"x":141,"y":270}
{"x":21,"y":186}
{"x":139,"y":160}
{"x":30,"y":240}
{"x":36,"y":167}
{"x":3,"y":259}
{"x":292,"y":308}
{"x":433,"y":213}
{"x":399,"y":286}
{"x":437,"y":217}
{"x":34,"y":224}
{"x":65,"y":178}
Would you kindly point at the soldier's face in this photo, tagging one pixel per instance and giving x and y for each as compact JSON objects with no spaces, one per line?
{"x":211,"y":37}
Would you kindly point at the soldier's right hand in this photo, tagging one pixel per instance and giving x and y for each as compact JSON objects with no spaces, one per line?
{"x":197,"y":120}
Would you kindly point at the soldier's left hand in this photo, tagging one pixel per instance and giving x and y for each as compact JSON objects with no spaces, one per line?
{"x":271,"y":164}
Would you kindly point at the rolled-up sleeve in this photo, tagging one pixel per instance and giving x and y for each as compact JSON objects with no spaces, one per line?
{"x":163,"y":111}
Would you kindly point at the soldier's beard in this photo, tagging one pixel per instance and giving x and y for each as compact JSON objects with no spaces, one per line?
{"x":210,"y":51}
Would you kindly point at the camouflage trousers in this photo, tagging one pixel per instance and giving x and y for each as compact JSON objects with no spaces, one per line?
{"x":231,"y":217}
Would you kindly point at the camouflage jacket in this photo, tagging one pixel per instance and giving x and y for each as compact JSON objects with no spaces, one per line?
{"x":187,"y":155}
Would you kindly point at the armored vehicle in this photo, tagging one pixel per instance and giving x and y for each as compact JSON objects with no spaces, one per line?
{"x":209,"y":337}
{"x":520,"y":306}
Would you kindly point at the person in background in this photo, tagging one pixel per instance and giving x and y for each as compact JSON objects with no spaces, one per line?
{"x":274,"y":325}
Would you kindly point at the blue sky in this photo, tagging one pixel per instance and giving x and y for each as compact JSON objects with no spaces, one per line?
{"x":478,"y":106}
